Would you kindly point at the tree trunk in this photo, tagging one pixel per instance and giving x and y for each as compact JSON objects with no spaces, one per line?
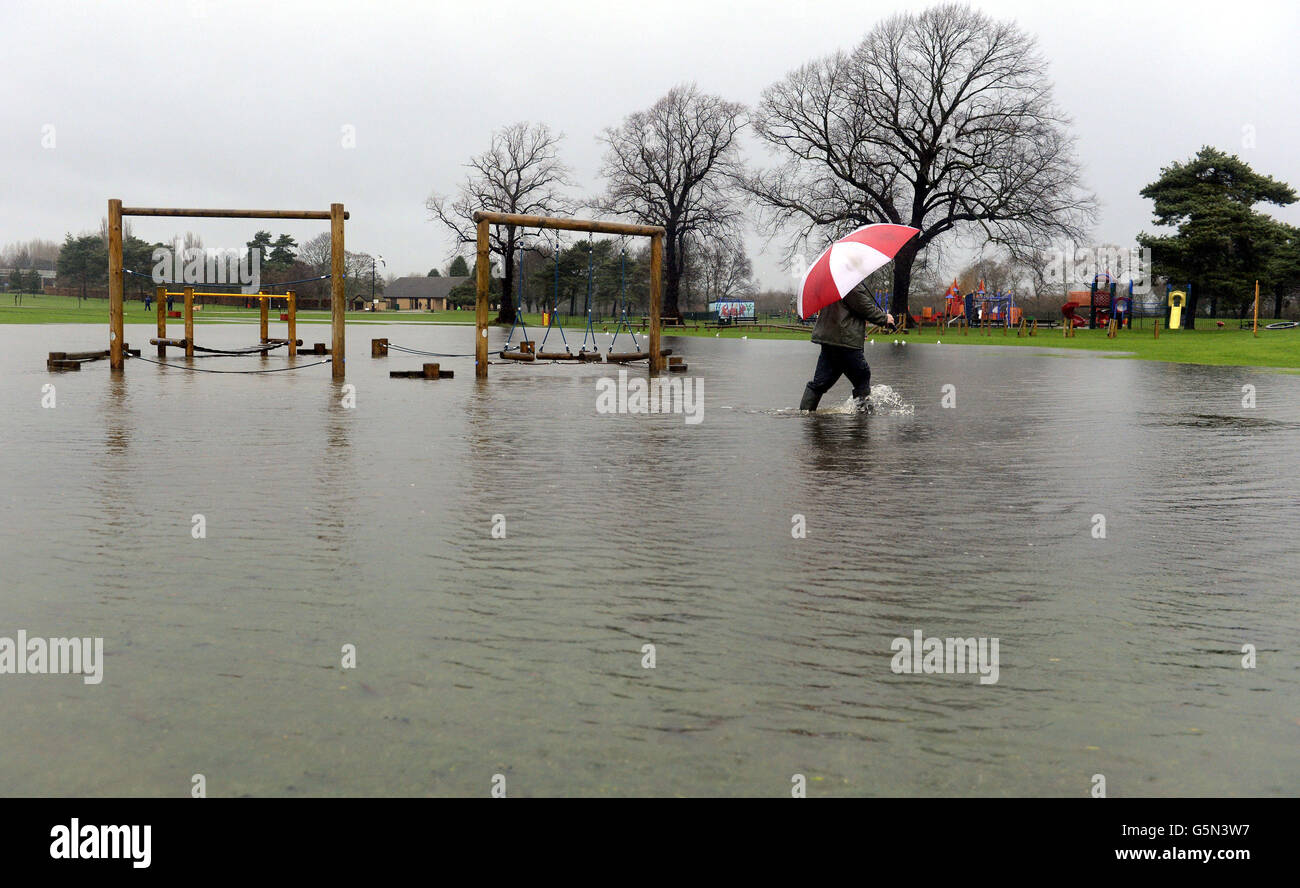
{"x":1277,"y":303}
{"x":669,"y":308}
{"x":898,"y":305}
{"x":1189,"y":310}
{"x":506,"y":315}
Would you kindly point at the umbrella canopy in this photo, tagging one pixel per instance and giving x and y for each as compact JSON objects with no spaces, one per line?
{"x":844,"y":264}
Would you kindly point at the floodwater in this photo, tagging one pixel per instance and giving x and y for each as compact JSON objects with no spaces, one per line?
{"x":523,"y":656}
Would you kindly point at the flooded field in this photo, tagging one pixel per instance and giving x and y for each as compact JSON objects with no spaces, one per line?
{"x":476,"y":655}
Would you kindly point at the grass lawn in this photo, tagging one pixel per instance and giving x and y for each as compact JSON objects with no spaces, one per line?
{"x":1228,"y":346}
{"x":1210,"y":345}
{"x":44,"y":309}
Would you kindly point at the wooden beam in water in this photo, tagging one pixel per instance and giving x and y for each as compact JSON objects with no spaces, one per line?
{"x":115,"y":284}
{"x":656,"y":287}
{"x":161,"y":294}
{"x":338,"y":299}
{"x":481,"y":271}
{"x":428,"y":371}
{"x":291,"y":308}
{"x":189,"y":322}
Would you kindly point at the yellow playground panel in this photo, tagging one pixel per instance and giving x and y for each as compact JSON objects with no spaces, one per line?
{"x":1177,"y":299}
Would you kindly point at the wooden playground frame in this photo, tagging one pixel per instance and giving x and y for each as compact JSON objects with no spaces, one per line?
{"x":188,"y":294}
{"x":483,"y":220}
{"x":335,"y":215}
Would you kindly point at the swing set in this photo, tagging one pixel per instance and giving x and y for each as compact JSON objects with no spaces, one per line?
{"x":527,"y":351}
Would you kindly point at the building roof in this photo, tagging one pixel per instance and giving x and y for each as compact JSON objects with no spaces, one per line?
{"x":422,"y":287}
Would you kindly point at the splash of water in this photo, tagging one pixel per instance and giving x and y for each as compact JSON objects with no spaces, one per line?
{"x":883,"y":401}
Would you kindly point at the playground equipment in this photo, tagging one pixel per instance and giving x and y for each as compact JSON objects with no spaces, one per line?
{"x":996,"y":310}
{"x":623,"y":324}
{"x":335,"y":215}
{"x":1177,"y":301}
{"x":954,"y":306}
{"x":485,"y":219}
{"x":74,"y":360}
{"x":567,"y":354}
{"x":267,"y":343}
{"x":1070,"y":315}
{"x":528,"y":350}
{"x":525,"y":351}
{"x":428,"y":371}
{"x":1096,"y":306}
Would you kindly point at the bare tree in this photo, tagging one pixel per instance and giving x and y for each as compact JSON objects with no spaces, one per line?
{"x":519,"y":173}
{"x":942,"y":120}
{"x":722,"y":269}
{"x":318,"y":252}
{"x":674,"y":165}
{"x":37,"y":253}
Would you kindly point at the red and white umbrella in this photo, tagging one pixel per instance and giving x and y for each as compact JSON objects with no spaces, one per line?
{"x":845,"y":263}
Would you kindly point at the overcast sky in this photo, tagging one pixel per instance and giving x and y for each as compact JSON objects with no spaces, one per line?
{"x":232,"y":104}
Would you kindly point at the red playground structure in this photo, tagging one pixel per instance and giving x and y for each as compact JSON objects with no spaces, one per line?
{"x":1095,"y":306}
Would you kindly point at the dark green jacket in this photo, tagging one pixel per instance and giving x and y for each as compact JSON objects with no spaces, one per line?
{"x":844,"y":323}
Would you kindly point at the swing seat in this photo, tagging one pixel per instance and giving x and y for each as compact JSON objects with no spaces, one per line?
{"x":624,"y":357}
{"x":557,"y":356}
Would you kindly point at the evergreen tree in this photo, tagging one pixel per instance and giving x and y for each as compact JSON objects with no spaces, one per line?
{"x":1222,"y":243}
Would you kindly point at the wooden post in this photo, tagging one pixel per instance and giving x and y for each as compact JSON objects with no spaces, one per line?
{"x":338,"y":305}
{"x":265,"y":318}
{"x":291,"y":300}
{"x":656,"y":287}
{"x":1157,"y":328}
{"x":1255,"y":329}
{"x":481,"y":302}
{"x":162,"y":319}
{"x":115,"y":320}
{"x":189,"y":322}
